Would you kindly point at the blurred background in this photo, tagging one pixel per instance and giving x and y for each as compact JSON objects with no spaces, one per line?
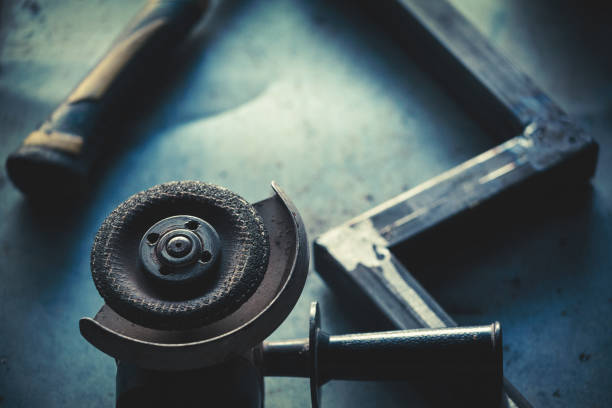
{"x":318,"y":97}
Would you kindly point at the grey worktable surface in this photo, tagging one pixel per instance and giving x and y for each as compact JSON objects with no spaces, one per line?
{"x":313,"y":95}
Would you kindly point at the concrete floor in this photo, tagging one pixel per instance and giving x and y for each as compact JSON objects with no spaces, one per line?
{"x":314,"y":96}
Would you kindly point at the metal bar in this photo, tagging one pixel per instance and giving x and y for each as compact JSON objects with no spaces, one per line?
{"x":546,"y":150}
{"x":447,"y":45}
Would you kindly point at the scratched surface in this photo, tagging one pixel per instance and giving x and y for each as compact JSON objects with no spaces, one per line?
{"x":314,"y":96}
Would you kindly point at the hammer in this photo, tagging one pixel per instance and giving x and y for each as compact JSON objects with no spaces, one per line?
{"x":57,"y":157}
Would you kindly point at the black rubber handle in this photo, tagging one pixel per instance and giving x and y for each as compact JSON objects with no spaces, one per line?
{"x":57,"y":157}
{"x":393,"y":355}
{"x":468,"y":360}
{"x":408,"y":354}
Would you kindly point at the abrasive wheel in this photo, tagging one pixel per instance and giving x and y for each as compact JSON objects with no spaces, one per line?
{"x":180,"y":255}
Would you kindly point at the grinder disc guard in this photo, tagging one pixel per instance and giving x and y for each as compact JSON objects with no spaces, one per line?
{"x":270,"y":283}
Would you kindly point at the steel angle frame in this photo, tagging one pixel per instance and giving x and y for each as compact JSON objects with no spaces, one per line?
{"x":543,"y":149}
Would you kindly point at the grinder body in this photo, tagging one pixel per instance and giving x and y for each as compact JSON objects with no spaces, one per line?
{"x":234,"y":383}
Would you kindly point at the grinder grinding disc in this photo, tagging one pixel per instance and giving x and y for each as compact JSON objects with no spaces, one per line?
{"x":121,"y":275}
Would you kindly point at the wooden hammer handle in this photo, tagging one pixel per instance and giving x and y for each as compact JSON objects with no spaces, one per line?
{"x":58,"y":156}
